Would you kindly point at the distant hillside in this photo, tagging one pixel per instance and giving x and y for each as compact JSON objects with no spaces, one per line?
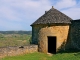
{"x":16,"y":32}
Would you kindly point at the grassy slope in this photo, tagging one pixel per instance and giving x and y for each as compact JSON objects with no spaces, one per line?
{"x":41,"y":56}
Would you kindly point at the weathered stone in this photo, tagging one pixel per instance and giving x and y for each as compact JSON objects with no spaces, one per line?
{"x":13,"y":51}
{"x":43,"y":31}
{"x":56,"y":24}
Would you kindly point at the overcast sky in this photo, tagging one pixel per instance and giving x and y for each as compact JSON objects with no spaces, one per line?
{"x":20,"y":14}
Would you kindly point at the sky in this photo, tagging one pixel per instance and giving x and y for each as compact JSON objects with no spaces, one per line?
{"x":20,"y":14}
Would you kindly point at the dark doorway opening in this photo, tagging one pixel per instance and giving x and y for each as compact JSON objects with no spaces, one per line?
{"x":52,"y":44}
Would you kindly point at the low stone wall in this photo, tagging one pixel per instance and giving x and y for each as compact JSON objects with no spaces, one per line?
{"x":13,"y":51}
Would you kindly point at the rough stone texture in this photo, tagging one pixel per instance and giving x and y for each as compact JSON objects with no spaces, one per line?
{"x":13,"y":51}
{"x":75,"y":34}
{"x":40,"y":33}
{"x":35,"y":33}
{"x":52,"y":23}
{"x":68,"y":36}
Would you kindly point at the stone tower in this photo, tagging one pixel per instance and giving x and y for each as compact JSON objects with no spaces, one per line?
{"x":50,"y":31}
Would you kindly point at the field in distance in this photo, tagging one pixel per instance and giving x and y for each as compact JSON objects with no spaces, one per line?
{"x":14,"y":38}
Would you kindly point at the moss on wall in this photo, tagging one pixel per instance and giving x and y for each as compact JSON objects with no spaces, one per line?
{"x":75,"y":34}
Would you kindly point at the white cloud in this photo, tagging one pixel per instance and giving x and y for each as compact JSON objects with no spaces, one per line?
{"x":69,"y":7}
{"x":8,"y":13}
{"x":65,"y":4}
{"x":13,"y":8}
{"x":74,"y":13}
{"x":15,"y":14}
{"x":21,"y":11}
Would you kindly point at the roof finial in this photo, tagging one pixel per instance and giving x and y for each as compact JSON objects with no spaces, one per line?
{"x":52,"y":7}
{"x":45,"y":11}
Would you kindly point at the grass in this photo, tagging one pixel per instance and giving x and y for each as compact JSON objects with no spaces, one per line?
{"x":42,"y":56}
{"x":14,"y":39}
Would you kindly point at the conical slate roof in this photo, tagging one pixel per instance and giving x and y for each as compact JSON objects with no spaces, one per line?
{"x":53,"y":16}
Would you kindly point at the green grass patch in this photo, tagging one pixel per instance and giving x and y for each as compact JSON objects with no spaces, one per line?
{"x":42,"y":56}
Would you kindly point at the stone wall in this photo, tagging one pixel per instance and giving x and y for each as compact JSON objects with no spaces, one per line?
{"x":13,"y":51}
{"x":41,"y":32}
{"x":68,"y":36}
{"x":75,"y":34}
{"x":35,"y":33}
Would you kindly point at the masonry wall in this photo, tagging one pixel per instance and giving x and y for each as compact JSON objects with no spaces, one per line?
{"x":35,"y":33}
{"x":13,"y":51}
{"x":42,"y":31}
{"x":75,"y":34}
